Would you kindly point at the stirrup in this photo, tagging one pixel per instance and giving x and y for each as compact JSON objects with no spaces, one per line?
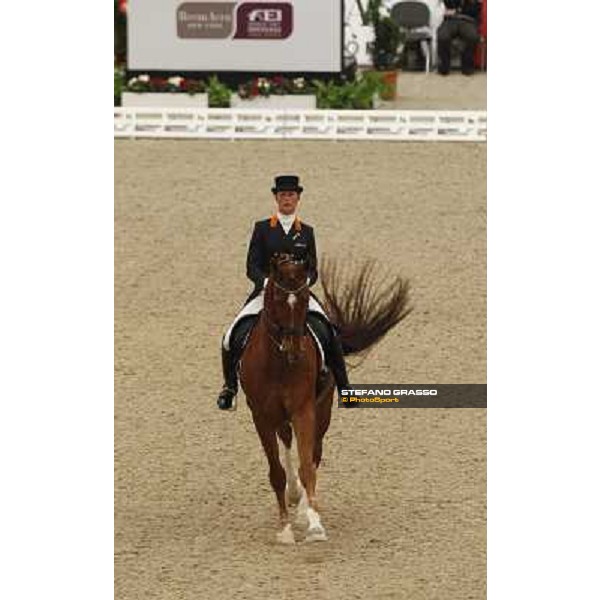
{"x":226,"y":400}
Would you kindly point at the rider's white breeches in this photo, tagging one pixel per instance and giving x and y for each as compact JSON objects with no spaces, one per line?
{"x":256,"y":305}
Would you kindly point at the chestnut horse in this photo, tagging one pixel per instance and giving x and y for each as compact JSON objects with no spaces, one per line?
{"x":280,"y":366}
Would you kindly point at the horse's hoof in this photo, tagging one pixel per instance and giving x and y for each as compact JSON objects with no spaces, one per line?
{"x":316,"y":534}
{"x":286,"y":535}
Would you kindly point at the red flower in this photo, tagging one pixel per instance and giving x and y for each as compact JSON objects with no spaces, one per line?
{"x":158,"y":82}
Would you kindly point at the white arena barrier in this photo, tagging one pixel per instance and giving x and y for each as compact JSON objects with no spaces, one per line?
{"x":231,"y":124}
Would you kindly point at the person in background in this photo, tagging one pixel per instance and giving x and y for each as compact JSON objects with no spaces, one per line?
{"x":461,"y":20}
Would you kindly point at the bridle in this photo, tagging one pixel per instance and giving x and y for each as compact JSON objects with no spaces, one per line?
{"x":274,"y":330}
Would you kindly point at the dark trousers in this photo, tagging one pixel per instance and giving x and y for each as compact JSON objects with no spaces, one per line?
{"x":457,"y":28}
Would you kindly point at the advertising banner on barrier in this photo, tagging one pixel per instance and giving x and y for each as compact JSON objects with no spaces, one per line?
{"x":290,"y":36}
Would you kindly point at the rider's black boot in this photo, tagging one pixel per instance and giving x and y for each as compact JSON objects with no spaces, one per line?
{"x":230,"y":387}
{"x":337,"y":364}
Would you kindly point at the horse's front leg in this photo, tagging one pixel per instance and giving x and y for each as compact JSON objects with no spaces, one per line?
{"x":277,"y":477}
{"x":304,"y":428}
{"x":294,"y":487}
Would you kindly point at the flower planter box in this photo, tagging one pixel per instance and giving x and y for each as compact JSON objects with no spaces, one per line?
{"x":286,"y":101}
{"x":164,"y":100}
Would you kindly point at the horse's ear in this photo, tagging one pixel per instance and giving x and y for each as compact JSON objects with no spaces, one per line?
{"x":273,"y":262}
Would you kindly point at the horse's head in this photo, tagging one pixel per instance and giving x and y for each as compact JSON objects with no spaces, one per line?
{"x":286,"y":304}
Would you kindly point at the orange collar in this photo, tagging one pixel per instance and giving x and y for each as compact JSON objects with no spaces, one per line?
{"x":274,"y":220}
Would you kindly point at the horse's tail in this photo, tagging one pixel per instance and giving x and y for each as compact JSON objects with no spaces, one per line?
{"x":363,"y":308}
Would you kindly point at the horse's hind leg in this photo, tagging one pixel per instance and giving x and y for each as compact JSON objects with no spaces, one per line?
{"x":323,"y":417}
{"x":277,"y":478}
{"x":294,"y":487}
{"x":304,"y":428}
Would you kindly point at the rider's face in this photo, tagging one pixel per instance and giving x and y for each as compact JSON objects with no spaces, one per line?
{"x":287,"y":202}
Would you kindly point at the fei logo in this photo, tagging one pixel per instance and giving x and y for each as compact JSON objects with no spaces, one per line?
{"x":266,"y":15}
{"x":264,"y":20}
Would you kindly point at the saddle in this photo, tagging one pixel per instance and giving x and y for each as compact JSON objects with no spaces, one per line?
{"x":318,"y":327}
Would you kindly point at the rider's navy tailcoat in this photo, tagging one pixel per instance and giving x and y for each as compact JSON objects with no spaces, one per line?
{"x":269,"y":238}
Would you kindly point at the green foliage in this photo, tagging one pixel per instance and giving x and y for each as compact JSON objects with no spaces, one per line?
{"x":358,"y":94}
{"x":385,"y":46}
{"x":388,"y":36}
{"x":219,"y":95}
{"x":373,"y":11}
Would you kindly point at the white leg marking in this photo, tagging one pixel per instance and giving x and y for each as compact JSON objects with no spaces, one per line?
{"x":301,"y":516}
{"x":316,"y":531}
{"x":286,"y":535}
{"x":292,"y":482}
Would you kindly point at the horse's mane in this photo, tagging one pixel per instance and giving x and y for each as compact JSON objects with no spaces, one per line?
{"x":363,"y":301}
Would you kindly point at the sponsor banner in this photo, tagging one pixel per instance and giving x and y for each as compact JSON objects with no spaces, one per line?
{"x":235,"y":35}
{"x":460,"y":395}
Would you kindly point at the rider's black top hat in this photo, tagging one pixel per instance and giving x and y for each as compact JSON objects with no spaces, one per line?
{"x":287,"y":183}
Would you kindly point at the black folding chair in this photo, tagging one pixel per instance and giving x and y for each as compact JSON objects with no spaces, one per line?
{"x":414,"y":20}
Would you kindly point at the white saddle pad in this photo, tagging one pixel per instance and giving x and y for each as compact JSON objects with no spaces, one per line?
{"x":256,"y":305}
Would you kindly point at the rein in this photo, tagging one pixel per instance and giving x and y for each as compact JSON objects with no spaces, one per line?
{"x":273,"y":329}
